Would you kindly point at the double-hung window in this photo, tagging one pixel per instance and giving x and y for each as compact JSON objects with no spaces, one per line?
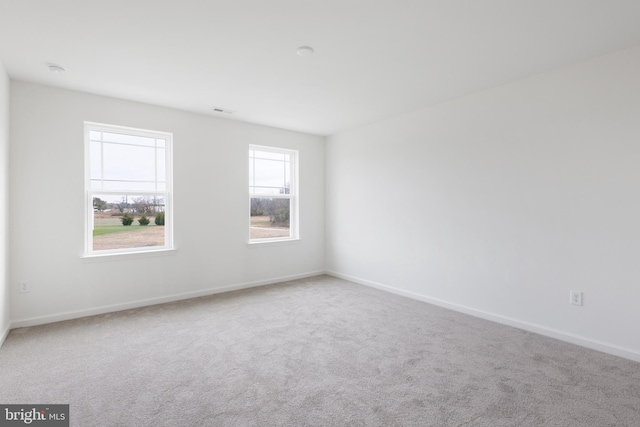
{"x":273,"y":194}
{"x":128,"y":189}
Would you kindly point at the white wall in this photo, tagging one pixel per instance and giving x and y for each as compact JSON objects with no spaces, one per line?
{"x":210,"y":207}
{"x":501,"y":202}
{"x":4,"y":205}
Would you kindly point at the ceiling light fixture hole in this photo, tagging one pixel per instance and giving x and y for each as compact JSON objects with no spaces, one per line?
{"x":304,"y":51}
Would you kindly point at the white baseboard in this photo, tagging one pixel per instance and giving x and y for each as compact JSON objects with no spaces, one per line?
{"x":531,"y":327}
{"x":4,"y":335}
{"x":34,"y":321}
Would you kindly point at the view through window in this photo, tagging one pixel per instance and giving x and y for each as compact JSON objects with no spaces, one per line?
{"x":128,"y":189}
{"x":272,"y":191}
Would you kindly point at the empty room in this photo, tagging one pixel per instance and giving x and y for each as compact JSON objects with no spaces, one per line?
{"x":335,"y":213}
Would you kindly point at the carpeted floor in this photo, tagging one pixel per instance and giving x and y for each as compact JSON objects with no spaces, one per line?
{"x":314,"y":352}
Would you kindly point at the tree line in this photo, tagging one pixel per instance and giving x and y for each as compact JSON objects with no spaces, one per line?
{"x":277,"y":210}
{"x":146,"y":205}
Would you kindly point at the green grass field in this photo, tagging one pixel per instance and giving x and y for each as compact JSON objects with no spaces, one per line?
{"x":100,"y":230}
{"x":104,"y":226}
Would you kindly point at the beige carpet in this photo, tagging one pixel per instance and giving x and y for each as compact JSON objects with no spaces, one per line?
{"x":313,"y":352}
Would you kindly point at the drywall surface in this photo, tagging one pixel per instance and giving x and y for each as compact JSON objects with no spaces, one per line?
{"x":210,"y":208}
{"x":4,"y":204}
{"x":503,"y":201}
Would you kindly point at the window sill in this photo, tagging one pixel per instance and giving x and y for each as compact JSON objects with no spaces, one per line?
{"x":267,"y":243}
{"x":119,"y":256}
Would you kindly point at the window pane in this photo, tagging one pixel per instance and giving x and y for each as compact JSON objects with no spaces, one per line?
{"x":287,"y":178}
{"x":267,"y":190}
{"x":94,"y":135}
{"x":269,"y":173}
{"x":128,"y":163}
{"x":128,"y":139}
{"x":96,"y":160}
{"x":251,"y":183}
{"x":130,"y":186}
{"x":160,"y":158}
{"x":268,"y":155}
{"x":270,"y":218}
{"x":110,"y":213}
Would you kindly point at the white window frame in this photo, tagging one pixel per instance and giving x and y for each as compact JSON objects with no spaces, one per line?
{"x":293,"y":195}
{"x":167,"y":193}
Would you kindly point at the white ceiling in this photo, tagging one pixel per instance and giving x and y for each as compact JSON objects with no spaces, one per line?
{"x":374,"y":58}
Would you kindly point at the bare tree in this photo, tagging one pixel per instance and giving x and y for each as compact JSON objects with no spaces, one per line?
{"x":148,"y":205}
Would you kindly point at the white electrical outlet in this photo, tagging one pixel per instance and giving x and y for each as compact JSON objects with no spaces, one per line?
{"x":575,"y":297}
{"x":24,"y":287}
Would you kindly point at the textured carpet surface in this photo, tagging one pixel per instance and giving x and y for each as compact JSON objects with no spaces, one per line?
{"x":313,"y":352}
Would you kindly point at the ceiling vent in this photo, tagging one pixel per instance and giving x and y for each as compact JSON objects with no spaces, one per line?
{"x":222,"y":110}
{"x":54,"y":68}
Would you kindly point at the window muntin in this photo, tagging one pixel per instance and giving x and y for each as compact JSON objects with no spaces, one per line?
{"x":272,"y":194}
{"x":128,"y":173}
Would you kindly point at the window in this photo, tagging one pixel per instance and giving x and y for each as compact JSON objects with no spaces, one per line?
{"x":272,"y":194}
{"x":128,"y":189}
